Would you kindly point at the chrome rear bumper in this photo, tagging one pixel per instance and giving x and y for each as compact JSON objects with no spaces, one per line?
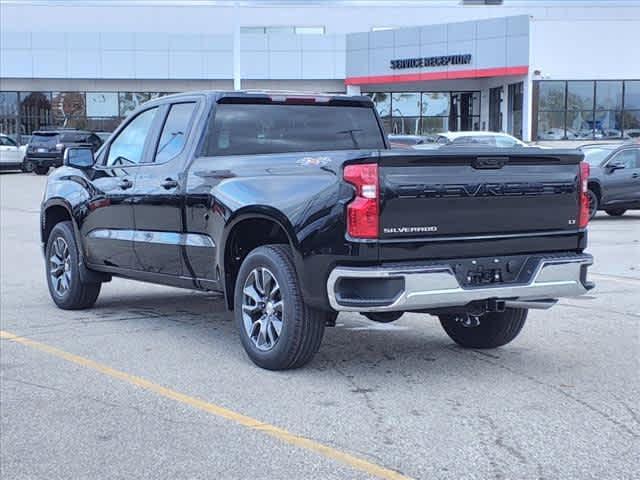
{"x":436,"y":286}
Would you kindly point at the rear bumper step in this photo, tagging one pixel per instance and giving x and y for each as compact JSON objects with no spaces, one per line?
{"x":398,"y":288}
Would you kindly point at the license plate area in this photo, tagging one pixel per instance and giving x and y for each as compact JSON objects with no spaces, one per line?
{"x":487,"y":271}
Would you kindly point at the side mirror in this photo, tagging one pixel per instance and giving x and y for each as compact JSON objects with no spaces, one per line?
{"x":613,"y":166}
{"x":79,"y":157}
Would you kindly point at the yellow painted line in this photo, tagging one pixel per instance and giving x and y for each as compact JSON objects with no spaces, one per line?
{"x":218,"y":411}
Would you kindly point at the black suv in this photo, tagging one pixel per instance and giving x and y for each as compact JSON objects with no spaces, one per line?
{"x":46,"y":147}
{"x":614,"y":183}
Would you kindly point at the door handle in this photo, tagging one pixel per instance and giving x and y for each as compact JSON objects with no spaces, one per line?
{"x":169,"y":183}
{"x":125,"y":184}
{"x":635,"y":175}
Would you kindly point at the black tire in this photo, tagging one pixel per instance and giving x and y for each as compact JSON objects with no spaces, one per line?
{"x":594,"y":203}
{"x":78,"y":295}
{"x":493,"y":330}
{"x":302,"y":327}
{"x":40,"y":170}
{"x":383,"y":317}
{"x":27,"y":166}
{"x":616,"y":212}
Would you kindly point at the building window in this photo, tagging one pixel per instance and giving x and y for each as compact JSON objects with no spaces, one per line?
{"x":424,"y":113}
{"x":586,"y":109}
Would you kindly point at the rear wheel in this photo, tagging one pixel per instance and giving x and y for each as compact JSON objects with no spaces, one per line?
{"x":616,"y":212}
{"x":277,"y":329}
{"x":41,"y":170}
{"x":594,"y":203}
{"x":63,"y":271}
{"x":27,"y":166}
{"x":490,"y":330}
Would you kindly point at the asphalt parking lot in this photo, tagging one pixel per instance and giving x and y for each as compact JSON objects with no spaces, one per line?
{"x":153,"y":383}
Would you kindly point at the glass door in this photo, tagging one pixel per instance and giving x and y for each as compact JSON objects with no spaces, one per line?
{"x":516,"y":91}
{"x":495,"y":109}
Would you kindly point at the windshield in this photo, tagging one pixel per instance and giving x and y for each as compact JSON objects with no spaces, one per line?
{"x":595,"y":156}
{"x":44,"y":139}
{"x":242,"y":129}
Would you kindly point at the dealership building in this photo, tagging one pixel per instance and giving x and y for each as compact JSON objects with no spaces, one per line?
{"x":540,"y":70}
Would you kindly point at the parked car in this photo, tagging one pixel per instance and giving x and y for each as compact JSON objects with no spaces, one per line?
{"x":614,"y":183}
{"x":11,"y":154}
{"x":406,"y":141}
{"x":46,"y":147}
{"x":473,"y":138}
{"x":295,"y":209}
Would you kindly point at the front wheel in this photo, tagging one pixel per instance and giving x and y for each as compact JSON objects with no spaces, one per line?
{"x":277,"y":329}
{"x":41,"y":170}
{"x":616,"y":212}
{"x":63,"y":271}
{"x":490,"y":330}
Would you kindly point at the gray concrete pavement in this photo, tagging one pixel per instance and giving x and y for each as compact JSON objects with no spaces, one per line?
{"x":560,"y":402}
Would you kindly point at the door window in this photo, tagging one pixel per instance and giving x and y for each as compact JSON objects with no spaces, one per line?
{"x":628,"y":158}
{"x":128,"y":147}
{"x":7,"y":142}
{"x":174,"y":132}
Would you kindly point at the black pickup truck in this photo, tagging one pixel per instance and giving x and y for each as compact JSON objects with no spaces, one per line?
{"x":295,"y":208}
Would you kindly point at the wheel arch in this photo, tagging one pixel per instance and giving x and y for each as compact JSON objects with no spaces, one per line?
{"x":267,"y":226}
{"x":54,"y":211}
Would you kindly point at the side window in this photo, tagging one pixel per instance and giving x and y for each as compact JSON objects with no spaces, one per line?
{"x":7,"y":142}
{"x":128,"y":147}
{"x":505,"y":142}
{"x":628,"y":158}
{"x":174,"y":131}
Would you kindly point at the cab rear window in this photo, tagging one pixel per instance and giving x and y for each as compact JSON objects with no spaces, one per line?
{"x":246,"y":129}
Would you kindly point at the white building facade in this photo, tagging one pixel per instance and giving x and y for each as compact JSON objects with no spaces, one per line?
{"x":545,"y":69}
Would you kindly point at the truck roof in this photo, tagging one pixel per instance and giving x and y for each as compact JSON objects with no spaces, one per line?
{"x":277,"y":96}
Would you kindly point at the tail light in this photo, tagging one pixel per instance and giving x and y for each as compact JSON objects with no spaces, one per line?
{"x":583,"y":216}
{"x":362,"y":212}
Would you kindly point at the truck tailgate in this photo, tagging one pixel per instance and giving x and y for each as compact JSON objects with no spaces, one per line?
{"x":459,"y":192}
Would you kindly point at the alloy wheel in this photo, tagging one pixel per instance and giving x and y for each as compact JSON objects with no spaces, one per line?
{"x":262,"y":308}
{"x":60,"y":266}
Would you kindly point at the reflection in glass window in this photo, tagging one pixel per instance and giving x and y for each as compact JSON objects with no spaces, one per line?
{"x":552,"y":95}
{"x":608,"y":124}
{"x":102,"y":104}
{"x":129,"y":101}
{"x":434,"y":124}
{"x":174,"y":132}
{"x":631,"y":123}
{"x":128,"y":147}
{"x":382,"y":102}
{"x":405,"y":125}
{"x":608,"y":95}
{"x":551,"y":126}
{"x":66,"y":106}
{"x":405,"y":104}
{"x":435,"y":104}
{"x":632,"y":95}
{"x":8,"y":103}
{"x":580,"y":95}
{"x":580,"y":123}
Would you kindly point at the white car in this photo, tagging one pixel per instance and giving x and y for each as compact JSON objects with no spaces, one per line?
{"x":11,"y":154}
{"x":479,"y":138}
